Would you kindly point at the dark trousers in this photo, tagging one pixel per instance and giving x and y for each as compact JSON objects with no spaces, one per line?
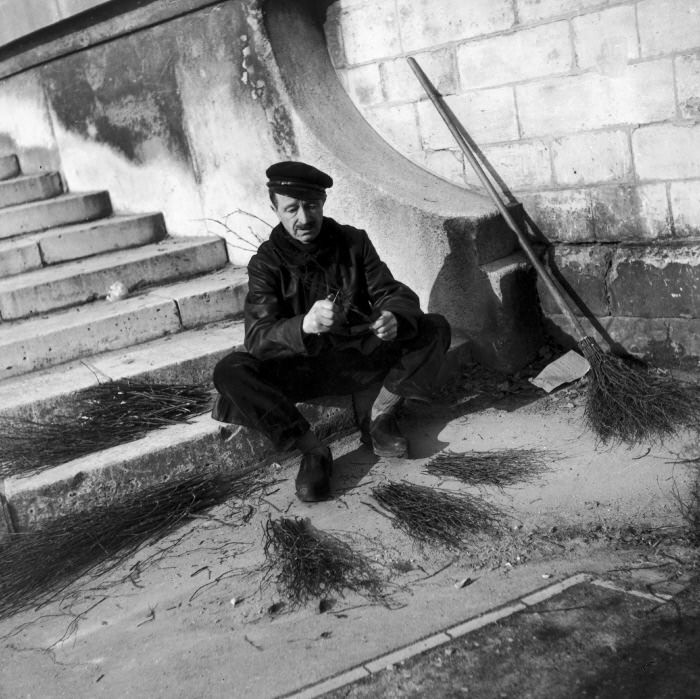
{"x":262,"y":393}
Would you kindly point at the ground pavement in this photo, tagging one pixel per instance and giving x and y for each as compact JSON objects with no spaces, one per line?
{"x":199,"y":615}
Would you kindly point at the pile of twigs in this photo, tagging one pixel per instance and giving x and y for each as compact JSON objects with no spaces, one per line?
{"x":37,"y":565}
{"x":633,"y":404}
{"x":501,"y":468}
{"x":103,"y":416}
{"x":306,"y":563}
{"x":434,"y":516}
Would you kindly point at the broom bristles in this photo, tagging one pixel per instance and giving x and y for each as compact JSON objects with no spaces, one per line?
{"x":103,"y":416}
{"x":36,"y":565}
{"x":435,"y":516}
{"x":632,"y":404}
{"x":307,"y":563}
{"x":500,"y":468}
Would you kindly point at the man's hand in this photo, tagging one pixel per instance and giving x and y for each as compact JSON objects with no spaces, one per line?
{"x":322,"y":317}
{"x":385,"y":327}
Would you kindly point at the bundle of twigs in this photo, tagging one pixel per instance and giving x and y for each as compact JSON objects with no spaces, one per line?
{"x":307,"y":563}
{"x":37,"y":565}
{"x":626,"y":401}
{"x":435,"y":516}
{"x":502,"y":467}
{"x":103,"y":416}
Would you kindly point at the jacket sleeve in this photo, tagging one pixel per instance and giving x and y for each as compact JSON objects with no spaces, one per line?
{"x":388,"y":294}
{"x":268,"y":331}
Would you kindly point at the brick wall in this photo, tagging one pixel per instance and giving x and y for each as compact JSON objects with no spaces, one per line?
{"x":588,"y":110}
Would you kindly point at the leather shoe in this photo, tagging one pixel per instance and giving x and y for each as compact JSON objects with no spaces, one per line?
{"x":313,"y":482}
{"x":386,"y":437}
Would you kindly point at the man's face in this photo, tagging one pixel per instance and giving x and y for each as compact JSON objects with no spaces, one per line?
{"x":301,"y":218}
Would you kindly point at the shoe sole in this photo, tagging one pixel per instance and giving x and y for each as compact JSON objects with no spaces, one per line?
{"x":391,"y":454}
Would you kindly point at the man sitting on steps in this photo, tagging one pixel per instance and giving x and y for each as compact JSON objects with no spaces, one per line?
{"x":324,"y":316}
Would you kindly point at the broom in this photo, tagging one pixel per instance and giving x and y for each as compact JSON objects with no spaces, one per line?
{"x":626,"y":401}
{"x":307,"y":563}
{"x":104,"y":415}
{"x":37,"y":565}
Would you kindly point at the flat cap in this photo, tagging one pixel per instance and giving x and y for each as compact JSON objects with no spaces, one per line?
{"x":298,"y":180}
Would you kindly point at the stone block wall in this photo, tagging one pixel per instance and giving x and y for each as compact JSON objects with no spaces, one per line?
{"x":588,"y":110}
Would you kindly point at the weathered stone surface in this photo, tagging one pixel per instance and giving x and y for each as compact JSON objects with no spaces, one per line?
{"x":678,"y":30}
{"x":582,"y":270}
{"x":9,"y":166}
{"x":685,"y":204}
{"x":606,"y":40}
{"x":498,"y":60}
{"x":666,"y":151}
{"x":642,"y":93}
{"x":688,"y":80}
{"x":520,"y":165}
{"x":562,"y":215}
{"x":536,"y":10}
{"x":664,"y":342}
{"x":432,"y":22}
{"x":655,"y":282}
{"x":589,"y":158}
{"x":26,"y":188}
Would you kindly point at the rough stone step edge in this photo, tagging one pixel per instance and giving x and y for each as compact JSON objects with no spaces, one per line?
{"x":185,"y":357}
{"x":175,"y":307}
{"x":62,"y":210}
{"x":80,"y":282}
{"x":61,"y":244}
{"x":29,"y":188}
{"x":123,"y":470}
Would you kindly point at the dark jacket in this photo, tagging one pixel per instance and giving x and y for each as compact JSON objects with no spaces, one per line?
{"x":285,"y":278}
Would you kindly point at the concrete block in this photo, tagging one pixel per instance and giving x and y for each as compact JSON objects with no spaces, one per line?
{"x":365,"y":85}
{"x":688,"y":85}
{"x":582,"y":271}
{"x":526,"y":54}
{"x":86,"y":239}
{"x":400,"y":84}
{"x":562,"y":215}
{"x":79,"y":282}
{"x":59,"y":211}
{"x":654,"y":214}
{"x":17,"y":256}
{"x":666,"y":151}
{"x":431,"y":22}
{"x":398,"y":125}
{"x":685,"y":205}
{"x":655,"y":282}
{"x":26,"y":188}
{"x":667,"y":26}
{"x":588,"y":158}
{"x":60,"y":337}
{"x":642,"y":93}
{"x":383,"y":40}
{"x":512,"y":308}
{"x":521,"y":165}
{"x":606,"y":40}
{"x":537,"y":10}
{"x":9,"y":166}
{"x":488,"y":115}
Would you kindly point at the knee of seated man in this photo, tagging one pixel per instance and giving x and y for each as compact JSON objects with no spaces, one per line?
{"x":434,"y":325}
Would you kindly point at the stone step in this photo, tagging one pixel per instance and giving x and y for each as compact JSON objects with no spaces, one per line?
{"x":203,"y":445}
{"x":36,"y":343}
{"x":58,"y":211}
{"x":73,"y":283}
{"x":9,"y":166}
{"x":66,"y":243}
{"x":28,"y":188}
{"x":185,"y":357}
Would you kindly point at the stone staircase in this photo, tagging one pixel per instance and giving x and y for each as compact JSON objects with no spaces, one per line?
{"x":59,"y":254}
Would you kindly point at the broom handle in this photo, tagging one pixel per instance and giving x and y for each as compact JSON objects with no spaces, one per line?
{"x":457,"y":131}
